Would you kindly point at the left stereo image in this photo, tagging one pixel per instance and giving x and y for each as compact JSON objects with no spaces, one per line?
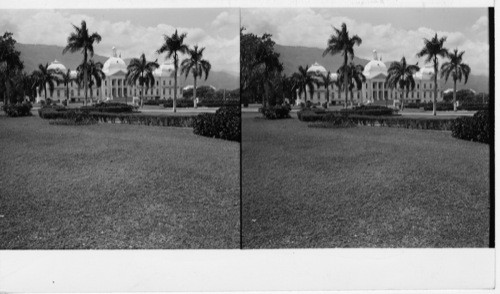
{"x":120,"y":129}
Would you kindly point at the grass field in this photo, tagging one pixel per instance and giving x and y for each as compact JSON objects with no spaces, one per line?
{"x":361,"y":187}
{"x":116,"y":186}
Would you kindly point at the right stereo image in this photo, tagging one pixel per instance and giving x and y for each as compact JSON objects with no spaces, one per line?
{"x":367,"y":128}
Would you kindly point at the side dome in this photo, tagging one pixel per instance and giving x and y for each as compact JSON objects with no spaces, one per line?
{"x":114,"y":64}
{"x":57,"y":66}
{"x":317,"y":69}
{"x":374,"y":67}
{"x":334,"y":76}
{"x":166,"y":69}
{"x":425,"y":73}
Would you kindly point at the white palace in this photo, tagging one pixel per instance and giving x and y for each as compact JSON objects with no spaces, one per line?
{"x":114,"y":86}
{"x":375,"y":90}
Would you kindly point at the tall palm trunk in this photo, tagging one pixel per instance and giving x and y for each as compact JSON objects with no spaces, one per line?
{"x":67,"y":94}
{"x":85,"y":75}
{"x":345,"y":78}
{"x":90,"y":88}
{"x":45,"y":91}
{"x":327,"y":96}
{"x":339,"y":91}
{"x":175,"y":82}
{"x":142,"y":86}
{"x":455,"y":91}
{"x":194,"y":93}
{"x":435,"y":87}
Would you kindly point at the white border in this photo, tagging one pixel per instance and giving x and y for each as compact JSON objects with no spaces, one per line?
{"x":251,"y":270}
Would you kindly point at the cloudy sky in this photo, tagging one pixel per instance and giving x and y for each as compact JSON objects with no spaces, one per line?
{"x":393,"y":32}
{"x":134,"y":31}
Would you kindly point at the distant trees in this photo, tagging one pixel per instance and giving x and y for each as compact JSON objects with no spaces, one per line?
{"x":433,"y":49}
{"x":457,"y":69}
{"x":82,"y":40}
{"x":90,"y":74}
{"x":65,"y":78}
{"x":354,"y":75}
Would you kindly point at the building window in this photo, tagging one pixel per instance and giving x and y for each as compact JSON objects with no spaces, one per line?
{"x":170,"y":83}
{"x":170,"y":91}
{"x":163,"y":82}
{"x":72,"y":93}
{"x":112,"y":82}
{"x":78,"y":92}
{"x":124,"y":92}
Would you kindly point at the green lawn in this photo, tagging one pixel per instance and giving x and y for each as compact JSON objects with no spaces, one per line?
{"x":116,"y":186}
{"x":361,"y":187}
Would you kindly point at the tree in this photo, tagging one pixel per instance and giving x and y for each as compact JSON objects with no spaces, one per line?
{"x":303,"y":81}
{"x":173,"y":46}
{"x":195,"y":65}
{"x":10,"y":63}
{"x":341,"y":43}
{"x":268,"y":63}
{"x":354,"y":75}
{"x":139,"y":69}
{"x":456,"y":69}
{"x":326,"y":81}
{"x":401,"y":74}
{"x":93,"y":72}
{"x":66,"y":79}
{"x":81,"y":40}
{"x":433,"y":49}
{"x":45,"y":77}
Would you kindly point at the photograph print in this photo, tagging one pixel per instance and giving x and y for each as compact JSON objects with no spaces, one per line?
{"x":366,"y":127}
{"x":119,"y":129}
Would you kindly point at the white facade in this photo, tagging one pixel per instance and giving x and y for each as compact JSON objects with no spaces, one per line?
{"x":114,"y":86}
{"x":375,"y":89}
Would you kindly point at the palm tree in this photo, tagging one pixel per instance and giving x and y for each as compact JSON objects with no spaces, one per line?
{"x":457,"y":69}
{"x":340,"y":42}
{"x":139,"y":69}
{"x":265,"y":56}
{"x":338,"y":83}
{"x":326,"y":81}
{"x":81,"y":40}
{"x":94,"y":72}
{"x":303,"y":81}
{"x":43,"y":77}
{"x":433,"y":49}
{"x":66,"y":79}
{"x":401,"y":74}
{"x":354,"y":75}
{"x":196,"y":65}
{"x":174,"y":45}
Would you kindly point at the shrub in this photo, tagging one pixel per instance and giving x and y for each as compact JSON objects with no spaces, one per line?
{"x":413,"y":105}
{"x":473,"y":106}
{"x":224,"y":124}
{"x":276,"y":112}
{"x":476,"y":128}
{"x":16,"y":110}
{"x":308,"y":114}
{"x":181,"y":103}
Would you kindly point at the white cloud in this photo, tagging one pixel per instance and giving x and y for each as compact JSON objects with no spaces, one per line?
{"x":304,"y":27}
{"x":481,"y":23}
{"x":53,"y":28}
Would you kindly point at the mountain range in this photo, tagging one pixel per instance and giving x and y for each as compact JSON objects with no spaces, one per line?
{"x":33,"y":55}
{"x":294,"y":56}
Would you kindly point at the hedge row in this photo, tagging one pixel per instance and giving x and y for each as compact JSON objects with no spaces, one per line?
{"x":475,"y":128}
{"x":181,"y":103}
{"x":16,"y":110}
{"x":218,"y":103}
{"x":108,"y":107}
{"x":369,"y":110}
{"x":276,"y":112}
{"x":224,"y":124}
{"x":443,"y":124}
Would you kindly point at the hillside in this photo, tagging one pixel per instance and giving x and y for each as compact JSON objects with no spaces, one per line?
{"x":292,"y":57}
{"x":33,"y":55}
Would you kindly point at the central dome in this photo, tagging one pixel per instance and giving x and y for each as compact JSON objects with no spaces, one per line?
{"x":317,"y":69}
{"x":114,"y":64}
{"x":57,"y":66}
{"x":374,"y":67}
{"x":425,"y":73}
